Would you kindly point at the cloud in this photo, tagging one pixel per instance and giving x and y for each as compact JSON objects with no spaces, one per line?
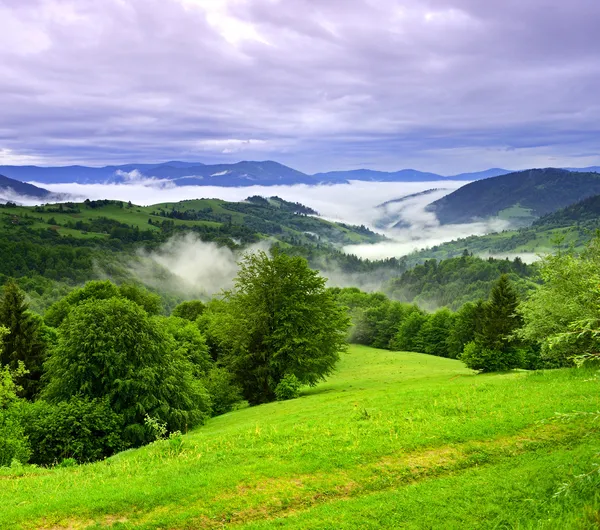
{"x":385,"y":84}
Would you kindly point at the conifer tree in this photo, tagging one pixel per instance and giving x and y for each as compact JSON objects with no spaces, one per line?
{"x":23,"y":341}
{"x":500,"y":317}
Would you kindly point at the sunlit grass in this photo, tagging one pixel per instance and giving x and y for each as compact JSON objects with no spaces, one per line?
{"x":392,"y":439}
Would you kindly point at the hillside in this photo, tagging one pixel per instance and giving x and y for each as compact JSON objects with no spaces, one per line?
{"x":11,"y":187}
{"x":572,"y":226}
{"x":392,"y":440}
{"x":247,"y":221}
{"x":520,"y":197}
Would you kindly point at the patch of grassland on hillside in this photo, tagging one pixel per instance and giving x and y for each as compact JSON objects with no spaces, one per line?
{"x":517,"y":214}
{"x":391,"y":440}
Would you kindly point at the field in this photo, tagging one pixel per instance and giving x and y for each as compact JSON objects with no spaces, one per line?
{"x":396,"y":440}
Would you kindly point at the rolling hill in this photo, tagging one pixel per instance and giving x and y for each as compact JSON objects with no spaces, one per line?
{"x":522,"y":196}
{"x":391,"y":440}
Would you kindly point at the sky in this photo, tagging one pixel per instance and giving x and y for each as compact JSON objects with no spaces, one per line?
{"x":437,"y":85}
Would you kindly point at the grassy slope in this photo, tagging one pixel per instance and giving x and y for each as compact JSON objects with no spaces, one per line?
{"x":138,"y":216}
{"x":392,"y":440}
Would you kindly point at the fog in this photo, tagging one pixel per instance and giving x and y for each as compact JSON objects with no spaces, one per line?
{"x":189,"y":267}
{"x":407,"y":224}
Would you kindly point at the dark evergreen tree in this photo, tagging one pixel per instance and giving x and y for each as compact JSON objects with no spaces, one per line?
{"x":500,"y":317}
{"x":23,"y":342}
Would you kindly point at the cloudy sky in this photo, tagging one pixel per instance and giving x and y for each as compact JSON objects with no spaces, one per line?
{"x":438,"y":85}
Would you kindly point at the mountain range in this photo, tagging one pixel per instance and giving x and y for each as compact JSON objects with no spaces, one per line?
{"x":245,"y":173}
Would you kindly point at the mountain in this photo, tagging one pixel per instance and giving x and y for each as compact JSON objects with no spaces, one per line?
{"x":477,"y":175}
{"x":523,"y":196}
{"x":10,"y":187}
{"x":404,"y":175}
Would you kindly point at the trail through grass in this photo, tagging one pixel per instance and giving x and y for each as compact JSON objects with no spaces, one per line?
{"x":392,"y":440}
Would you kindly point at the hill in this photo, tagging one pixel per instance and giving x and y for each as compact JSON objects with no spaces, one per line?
{"x":11,"y":187}
{"x":520,"y":197}
{"x":572,"y":226}
{"x":391,"y":440}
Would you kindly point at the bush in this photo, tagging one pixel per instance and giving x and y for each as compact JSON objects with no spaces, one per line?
{"x":80,"y":429}
{"x":224,"y":392}
{"x":13,"y":442}
{"x":112,"y":349}
{"x":482,"y":359}
{"x":288,"y":388}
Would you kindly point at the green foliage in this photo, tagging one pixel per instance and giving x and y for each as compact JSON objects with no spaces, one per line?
{"x":190,"y":342}
{"x":467,"y":323}
{"x":288,"y":388}
{"x":483,"y":359}
{"x":23,"y":343}
{"x":190,"y":310}
{"x":13,"y":442}
{"x":500,"y":317}
{"x":456,"y":281}
{"x":283,"y":321}
{"x":110,"y":348}
{"x":434,"y":333}
{"x":408,"y":337}
{"x":223,"y":390}
{"x":80,"y":429}
{"x":150,"y":302}
{"x":563,"y":314}
{"x":93,"y":290}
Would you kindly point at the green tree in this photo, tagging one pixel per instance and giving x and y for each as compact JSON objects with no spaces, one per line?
{"x":23,"y":342}
{"x":407,"y":337}
{"x":467,"y":324}
{"x":284,"y":322}
{"x":563,"y":314}
{"x":13,"y":441}
{"x":112,"y":349}
{"x":496,"y":347}
{"x":190,"y":310}
{"x":433,"y":335}
{"x":500,"y":316}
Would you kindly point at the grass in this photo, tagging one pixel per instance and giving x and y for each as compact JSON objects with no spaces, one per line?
{"x":396,"y":440}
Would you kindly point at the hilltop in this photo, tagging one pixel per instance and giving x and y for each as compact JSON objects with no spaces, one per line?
{"x":520,"y":197}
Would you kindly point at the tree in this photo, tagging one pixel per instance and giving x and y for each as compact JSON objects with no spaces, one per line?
{"x":500,"y":317}
{"x":496,"y":347}
{"x":284,"y":322}
{"x":13,"y":441}
{"x":434,"y":333}
{"x":112,"y":349}
{"x":190,"y":310}
{"x":563,"y":314}
{"x":407,"y":338}
{"x":23,"y":342}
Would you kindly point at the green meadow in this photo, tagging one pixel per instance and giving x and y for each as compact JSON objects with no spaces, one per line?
{"x":393,"y":439}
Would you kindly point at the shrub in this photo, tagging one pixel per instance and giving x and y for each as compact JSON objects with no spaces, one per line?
{"x":288,"y":388}
{"x":13,"y":442}
{"x":482,"y":359}
{"x":223,"y":390}
{"x":80,"y":429}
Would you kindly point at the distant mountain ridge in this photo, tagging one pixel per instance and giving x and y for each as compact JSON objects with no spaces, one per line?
{"x":10,"y":186}
{"x":534,"y":192}
{"x":244,"y":173}
{"x":238,"y":174}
